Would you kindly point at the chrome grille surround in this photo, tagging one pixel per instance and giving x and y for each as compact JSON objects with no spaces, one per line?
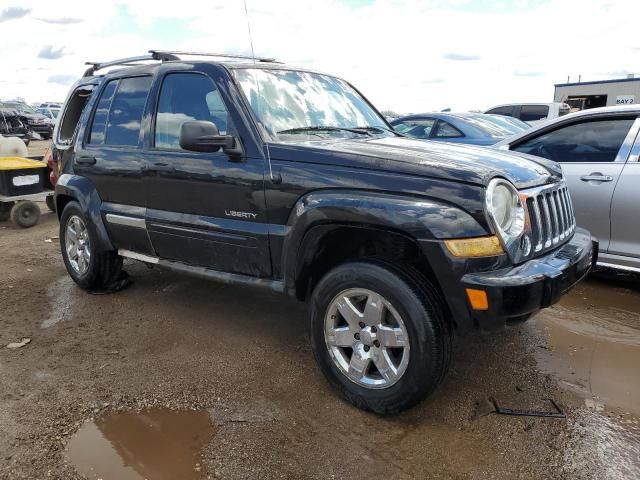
{"x":550,"y":218}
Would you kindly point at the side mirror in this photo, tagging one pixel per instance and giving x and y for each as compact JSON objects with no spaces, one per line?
{"x":203,"y":136}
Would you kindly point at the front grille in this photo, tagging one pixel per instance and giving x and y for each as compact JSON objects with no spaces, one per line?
{"x":550,"y":215}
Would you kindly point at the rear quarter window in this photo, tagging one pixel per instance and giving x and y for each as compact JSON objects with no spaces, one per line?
{"x":72,"y":113}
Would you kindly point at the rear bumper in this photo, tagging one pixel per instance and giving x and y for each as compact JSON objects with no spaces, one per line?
{"x":516,"y":293}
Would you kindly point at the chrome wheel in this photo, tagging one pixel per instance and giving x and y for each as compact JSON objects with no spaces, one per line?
{"x":77,"y":244}
{"x":366,"y":338}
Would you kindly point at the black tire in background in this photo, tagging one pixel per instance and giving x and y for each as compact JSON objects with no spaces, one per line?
{"x":25,"y":214}
{"x":5,"y":210}
{"x":425,"y":319}
{"x":51,"y":204}
{"x":104,"y":267}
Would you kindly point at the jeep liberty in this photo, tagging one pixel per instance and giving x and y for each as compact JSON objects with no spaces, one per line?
{"x":247,"y":171}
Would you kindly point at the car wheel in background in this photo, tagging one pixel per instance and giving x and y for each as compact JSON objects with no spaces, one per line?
{"x":25,"y":214}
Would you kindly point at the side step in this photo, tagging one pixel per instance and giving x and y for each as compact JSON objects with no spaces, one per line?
{"x":206,"y":273}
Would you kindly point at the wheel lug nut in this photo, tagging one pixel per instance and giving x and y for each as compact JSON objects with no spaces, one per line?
{"x":366,"y":348}
{"x":376,"y":343}
{"x":361,"y":324}
{"x":356,"y":336}
{"x":374,"y":329}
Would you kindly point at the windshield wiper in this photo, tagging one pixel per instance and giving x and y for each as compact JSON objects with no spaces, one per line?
{"x":320,"y":128}
{"x":379,"y":129}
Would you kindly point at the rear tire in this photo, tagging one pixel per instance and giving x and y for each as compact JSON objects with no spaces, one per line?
{"x":25,"y":214}
{"x":412,"y":309}
{"x":90,"y":269}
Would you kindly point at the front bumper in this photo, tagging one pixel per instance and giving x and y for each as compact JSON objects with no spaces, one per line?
{"x":515,"y":293}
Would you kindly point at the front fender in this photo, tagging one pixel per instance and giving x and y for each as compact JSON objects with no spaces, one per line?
{"x":418,"y":218}
{"x":83,"y":191}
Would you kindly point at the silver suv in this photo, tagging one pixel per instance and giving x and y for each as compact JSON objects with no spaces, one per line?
{"x":598,"y":150}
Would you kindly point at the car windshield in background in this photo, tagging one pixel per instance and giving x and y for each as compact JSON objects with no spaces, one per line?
{"x":288,"y":103}
{"x":488,"y":126}
{"x":512,"y":125}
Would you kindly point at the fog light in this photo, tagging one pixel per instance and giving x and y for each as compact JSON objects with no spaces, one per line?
{"x":475,"y":247}
{"x":478,"y":299}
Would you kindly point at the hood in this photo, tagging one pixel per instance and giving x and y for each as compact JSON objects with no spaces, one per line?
{"x":462,"y":163}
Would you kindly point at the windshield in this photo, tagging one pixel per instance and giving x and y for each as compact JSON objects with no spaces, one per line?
{"x":289,"y":103}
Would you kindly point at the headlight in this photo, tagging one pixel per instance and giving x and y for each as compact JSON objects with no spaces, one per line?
{"x":505,"y":209}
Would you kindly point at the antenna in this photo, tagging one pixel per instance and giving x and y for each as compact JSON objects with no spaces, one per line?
{"x":246,"y":14}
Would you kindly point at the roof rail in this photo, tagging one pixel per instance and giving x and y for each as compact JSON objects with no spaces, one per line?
{"x":128,"y":62}
{"x":220,"y":55}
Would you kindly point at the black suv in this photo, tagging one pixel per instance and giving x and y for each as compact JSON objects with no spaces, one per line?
{"x":253,"y":172}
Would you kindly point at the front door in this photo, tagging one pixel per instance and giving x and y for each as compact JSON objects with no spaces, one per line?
{"x":203,"y":209}
{"x":592,"y":154}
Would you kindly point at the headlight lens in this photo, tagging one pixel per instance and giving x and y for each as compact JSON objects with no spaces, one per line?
{"x":506,"y":209}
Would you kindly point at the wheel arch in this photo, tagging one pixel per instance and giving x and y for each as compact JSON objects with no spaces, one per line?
{"x":81,"y":190}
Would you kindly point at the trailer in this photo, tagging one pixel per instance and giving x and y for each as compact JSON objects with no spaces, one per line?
{"x":602,"y":93}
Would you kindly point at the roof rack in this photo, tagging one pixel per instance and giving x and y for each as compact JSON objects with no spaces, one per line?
{"x":163,"y":56}
{"x":204,"y":54}
{"x":129,"y":61}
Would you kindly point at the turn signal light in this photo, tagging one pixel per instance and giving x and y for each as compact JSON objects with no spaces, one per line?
{"x":475,"y":247}
{"x":478,"y":299}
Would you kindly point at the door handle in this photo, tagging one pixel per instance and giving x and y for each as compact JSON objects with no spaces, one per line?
{"x":86,"y":160}
{"x":596,"y":177}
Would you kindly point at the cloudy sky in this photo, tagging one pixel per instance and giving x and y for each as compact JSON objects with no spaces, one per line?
{"x":404,"y":55}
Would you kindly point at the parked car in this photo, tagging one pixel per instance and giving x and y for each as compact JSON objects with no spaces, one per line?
{"x":11,"y":125}
{"x":50,"y":112}
{"x":531,"y":113}
{"x":598,"y":151}
{"x":35,"y":121}
{"x":56,"y":105}
{"x":396,"y":243}
{"x":471,"y":128}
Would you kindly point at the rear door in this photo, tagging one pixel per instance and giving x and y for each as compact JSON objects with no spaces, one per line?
{"x":203,"y":209}
{"x":592,"y":153}
{"x":111,"y":157}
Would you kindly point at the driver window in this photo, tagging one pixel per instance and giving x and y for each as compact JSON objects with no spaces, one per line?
{"x":587,"y":142}
{"x":186,"y":97}
{"x":419,"y":128}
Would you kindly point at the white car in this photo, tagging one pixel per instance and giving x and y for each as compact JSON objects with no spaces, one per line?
{"x":531,"y":113}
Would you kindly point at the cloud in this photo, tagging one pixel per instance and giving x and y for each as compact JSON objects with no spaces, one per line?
{"x":460,"y":57}
{"x":13,"y":13}
{"x":48,"y":52}
{"x":62,"y":79}
{"x":61,"y":20}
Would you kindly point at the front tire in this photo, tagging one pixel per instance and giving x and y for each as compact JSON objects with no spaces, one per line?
{"x":379,"y":335}
{"x":89,"y":268}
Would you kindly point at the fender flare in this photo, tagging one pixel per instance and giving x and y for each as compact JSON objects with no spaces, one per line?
{"x":83,"y":191}
{"x":416,"y":218}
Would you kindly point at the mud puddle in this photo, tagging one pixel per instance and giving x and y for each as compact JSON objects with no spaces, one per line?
{"x":594,"y":344}
{"x":153,"y":444}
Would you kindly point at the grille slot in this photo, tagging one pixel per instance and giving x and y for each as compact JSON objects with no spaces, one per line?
{"x":550,"y":215}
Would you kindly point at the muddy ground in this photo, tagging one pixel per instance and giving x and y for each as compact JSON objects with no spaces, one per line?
{"x":97,"y":388}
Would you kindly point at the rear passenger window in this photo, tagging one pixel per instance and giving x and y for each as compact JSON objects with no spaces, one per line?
{"x":508,"y":111}
{"x":420,"y":128}
{"x":446,"y":130}
{"x":99,"y":124}
{"x":187,"y":97}
{"x":531,"y":113}
{"x":125,"y":115}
